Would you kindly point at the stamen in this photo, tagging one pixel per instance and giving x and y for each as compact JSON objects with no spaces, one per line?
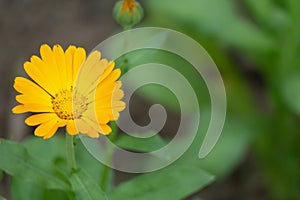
{"x":63,"y":105}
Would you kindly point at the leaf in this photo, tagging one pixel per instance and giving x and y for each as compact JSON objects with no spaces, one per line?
{"x":25,"y":190}
{"x":290,"y":91}
{"x":15,"y":160}
{"x":85,"y":188}
{"x":268,"y":14}
{"x":2,"y":198}
{"x":55,"y":194}
{"x":173,"y":182}
{"x":161,"y":87}
{"x":140,"y":144}
{"x":54,"y":153}
{"x":87,"y":162}
{"x":229,"y":150}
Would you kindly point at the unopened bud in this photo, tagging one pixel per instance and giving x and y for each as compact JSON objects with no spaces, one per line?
{"x":128,"y":13}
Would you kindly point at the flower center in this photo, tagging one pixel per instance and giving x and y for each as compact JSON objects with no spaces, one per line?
{"x":63,"y":105}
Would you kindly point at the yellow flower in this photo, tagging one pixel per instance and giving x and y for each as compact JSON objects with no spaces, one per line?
{"x":69,"y":90}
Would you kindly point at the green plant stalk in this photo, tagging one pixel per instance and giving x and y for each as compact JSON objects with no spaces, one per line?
{"x":108,"y":157}
{"x":70,"y":152}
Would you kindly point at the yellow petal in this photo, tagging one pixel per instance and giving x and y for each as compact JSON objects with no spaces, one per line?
{"x":69,"y":54}
{"x":19,"y":109}
{"x":47,"y":68}
{"x":78,"y":59}
{"x":92,"y":114}
{"x":71,"y":129}
{"x":43,"y":80}
{"x":112,"y":77}
{"x":47,"y":129}
{"x":50,"y":67}
{"x":60,"y":60}
{"x":27,"y":99}
{"x":105,"y":129}
{"x":31,"y":108}
{"x":37,"y":119}
{"x":28,"y":87}
{"x":92,"y":133}
{"x":47,"y":55}
{"x":107,"y":71}
{"x":84,"y":127}
{"x":90,"y":73}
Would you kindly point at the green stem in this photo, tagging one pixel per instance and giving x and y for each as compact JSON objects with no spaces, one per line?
{"x":70,"y":152}
{"x":114,"y":127}
{"x":108,"y":157}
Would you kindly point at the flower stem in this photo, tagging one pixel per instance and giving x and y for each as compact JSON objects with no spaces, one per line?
{"x":70,"y":152}
{"x":108,"y":157}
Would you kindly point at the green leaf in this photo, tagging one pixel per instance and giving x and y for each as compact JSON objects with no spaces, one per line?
{"x":25,"y":190}
{"x":173,"y":182}
{"x":87,"y":162}
{"x":140,"y":144}
{"x":161,"y":94}
{"x":2,"y":198}
{"x":1,"y":175}
{"x":294,"y":10}
{"x":268,"y":14}
{"x":85,"y":188}
{"x":229,"y":150}
{"x":55,"y":194}
{"x":290,"y":90}
{"x":15,"y":160}
{"x":54,"y":153}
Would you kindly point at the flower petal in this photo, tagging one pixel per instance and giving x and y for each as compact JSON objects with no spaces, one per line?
{"x":43,"y":79}
{"x":47,"y":129}
{"x":33,"y":99}
{"x":105,"y":129}
{"x":60,"y":60}
{"x":90,"y":73}
{"x":71,"y":128}
{"x":84,"y":127}
{"x":69,"y":54}
{"x":37,"y":119}
{"x":31,"y":108}
{"x":107,"y":71}
{"x":25,"y":86}
{"x":78,"y":60}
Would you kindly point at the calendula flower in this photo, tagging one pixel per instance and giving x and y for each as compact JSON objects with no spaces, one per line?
{"x":68,"y":89}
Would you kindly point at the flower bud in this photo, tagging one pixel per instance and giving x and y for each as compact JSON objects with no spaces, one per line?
{"x":128,"y":13}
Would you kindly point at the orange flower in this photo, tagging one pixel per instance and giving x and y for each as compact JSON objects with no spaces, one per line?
{"x":69,"y":90}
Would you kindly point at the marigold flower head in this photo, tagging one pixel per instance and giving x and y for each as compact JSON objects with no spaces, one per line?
{"x":68,"y":89}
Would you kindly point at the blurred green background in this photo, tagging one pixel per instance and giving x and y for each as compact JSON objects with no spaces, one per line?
{"x":254,"y":43}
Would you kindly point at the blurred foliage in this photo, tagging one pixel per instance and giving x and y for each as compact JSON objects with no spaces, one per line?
{"x":265,"y":35}
{"x":172,"y":182}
